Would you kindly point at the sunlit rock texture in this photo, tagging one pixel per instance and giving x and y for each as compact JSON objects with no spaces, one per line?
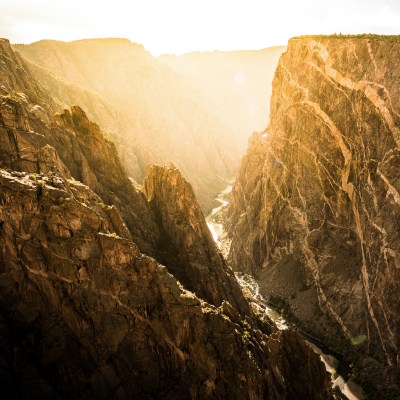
{"x":316,"y":203}
{"x":157,"y":111}
{"x":186,"y":245}
{"x":84,"y":314}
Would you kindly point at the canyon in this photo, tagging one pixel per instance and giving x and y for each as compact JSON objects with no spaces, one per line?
{"x":113,"y":290}
{"x":133,"y":264}
{"x":161,"y":109}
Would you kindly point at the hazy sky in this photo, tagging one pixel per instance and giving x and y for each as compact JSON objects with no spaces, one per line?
{"x":177,"y":26}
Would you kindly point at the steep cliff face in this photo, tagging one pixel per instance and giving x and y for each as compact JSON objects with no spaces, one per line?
{"x":84,"y":314}
{"x":161,"y":115}
{"x":186,"y":246}
{"x":35,"y":140}
{"x":316,"y":206}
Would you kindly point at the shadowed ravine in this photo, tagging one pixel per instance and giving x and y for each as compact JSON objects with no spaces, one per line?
{"x":334,"y":362}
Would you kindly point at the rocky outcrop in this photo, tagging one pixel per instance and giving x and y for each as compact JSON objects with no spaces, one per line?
{"x":94,"y":161}
{"x":21,"y":148}
{"x":72,"y":146}
{"x":316,"y":202}
{"x":186,"y":246}
{"x":83,"y":314}
{"x":161,"y":114}
{"x":35,"y":140}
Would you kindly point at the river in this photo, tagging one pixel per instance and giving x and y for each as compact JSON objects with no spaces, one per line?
{"x":340,"y":371}
{"x":214,"y":221}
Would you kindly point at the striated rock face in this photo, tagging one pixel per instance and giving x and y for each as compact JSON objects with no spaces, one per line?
{"x":94,"y":161}
{"x":186,"y":246}
{"x":316,"y":205}
{"x":84,"y":314}
{"x":72,"y":146}
{"x":160,"y":113}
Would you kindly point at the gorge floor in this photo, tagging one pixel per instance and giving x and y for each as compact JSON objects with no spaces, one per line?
{"x":335,"y":364}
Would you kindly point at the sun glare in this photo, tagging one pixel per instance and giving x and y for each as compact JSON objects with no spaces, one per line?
{"x":239,"y":78}
{"x":178,"y":26}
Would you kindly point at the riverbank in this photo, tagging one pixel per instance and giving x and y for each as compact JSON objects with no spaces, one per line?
{"x":334,"y":363}
{"x":214,"y":221}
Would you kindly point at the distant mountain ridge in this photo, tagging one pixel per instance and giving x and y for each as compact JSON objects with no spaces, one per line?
{"x":162,"y":114}
{"x":86,"y":309}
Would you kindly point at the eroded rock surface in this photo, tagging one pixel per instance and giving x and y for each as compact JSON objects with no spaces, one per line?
{"x":72,"y":146}
{"x":186,"y":246}
{"x":316,"y":205}
{"x":84,"y":314}
{"x":161,"y":114}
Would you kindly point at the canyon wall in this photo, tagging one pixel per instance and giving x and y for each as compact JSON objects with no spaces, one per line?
{"x":186,"y":245}
{"x":316,"y":207}
{"x":155,"y":113}
{"x":84,"y":313}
